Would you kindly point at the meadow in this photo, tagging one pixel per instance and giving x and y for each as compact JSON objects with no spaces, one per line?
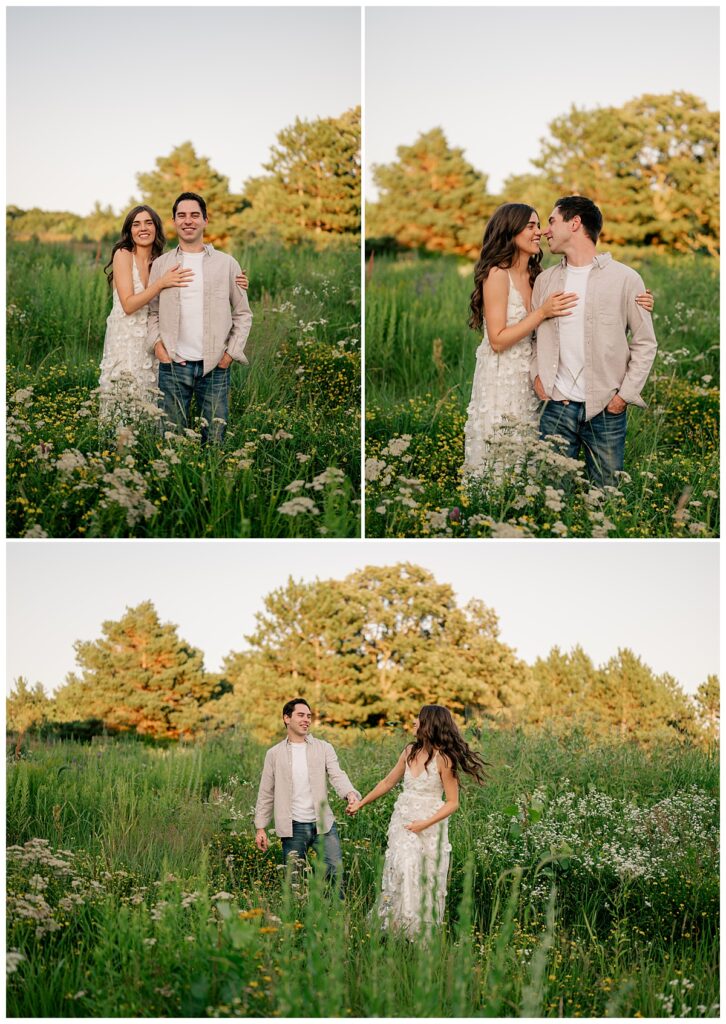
{"x":290,"y":463}
{"x":584,"y":882}
{"x":420,"y":357}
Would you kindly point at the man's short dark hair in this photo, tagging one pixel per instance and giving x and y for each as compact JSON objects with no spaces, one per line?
{"x":290,"y":707}
{"x":585,"y":209}
{"x":190,"y":195}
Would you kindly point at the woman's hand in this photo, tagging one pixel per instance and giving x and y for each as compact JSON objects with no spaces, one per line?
{"x":559,"y":304}
{"x":417,"y":826}
{"x":646,"y":301}
{"x":242,"y":282}
{"x":177,"y":277}
{"x":353,"y":807}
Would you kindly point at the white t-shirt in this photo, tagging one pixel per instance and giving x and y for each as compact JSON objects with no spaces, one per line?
{"x":303,"y":808}
{"x":191,"y":320}
{"x":570,"y":379}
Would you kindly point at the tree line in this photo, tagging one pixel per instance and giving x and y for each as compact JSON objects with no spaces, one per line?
{"x":310,"y":193}
{"x":651,"y":165}
{"x":366,"y":651}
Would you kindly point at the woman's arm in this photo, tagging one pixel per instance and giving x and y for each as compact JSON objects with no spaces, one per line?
{"x":496,"y":298}
{"x":123,"y":278}
{"x":383,"y":787}
{"x":451,"y":793}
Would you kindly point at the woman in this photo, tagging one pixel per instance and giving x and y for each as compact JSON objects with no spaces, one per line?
{"x":503,"y":403}
{"x":417,"y":858}
{"x":129,"y":372}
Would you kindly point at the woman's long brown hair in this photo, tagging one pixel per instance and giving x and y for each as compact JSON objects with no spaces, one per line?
{"x":498,"y":250}
{"x":437,"y":731}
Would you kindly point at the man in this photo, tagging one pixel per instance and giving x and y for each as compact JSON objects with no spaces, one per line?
{"x":197,"y":331}
{"x":582,"y":366}
{"x":294,"y":784}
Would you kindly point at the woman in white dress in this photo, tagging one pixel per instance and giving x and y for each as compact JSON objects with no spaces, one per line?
{"x":129,"y":372}
{"x":416,"y":866}
{"x":504,"y":407}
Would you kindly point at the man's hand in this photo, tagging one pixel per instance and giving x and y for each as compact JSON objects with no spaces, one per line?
{"x":539,"y":390}
{"x":616,"y":405}
{"x":225,"y":361}
{"x":353,"y":807}
{"x":261,"y":840}
{"x":160,"y":352}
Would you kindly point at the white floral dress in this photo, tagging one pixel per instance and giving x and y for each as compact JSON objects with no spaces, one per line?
{"x":503,"y":406}
{"x":129,"y":373}
{"x":416,"y":866}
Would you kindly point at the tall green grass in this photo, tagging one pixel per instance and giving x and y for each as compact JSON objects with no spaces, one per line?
{"x":164,"y":907}
{"x":420,"y":357}
{"x":294,"y":412}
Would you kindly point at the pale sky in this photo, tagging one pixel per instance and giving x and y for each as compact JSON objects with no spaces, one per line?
{"x":96,"y":94}
{"x":659,"y":598}
{"x":495,"y":77}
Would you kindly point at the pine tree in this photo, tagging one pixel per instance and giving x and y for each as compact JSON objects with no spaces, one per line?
{"x":183,"y":171}
{"x":431,"y":198}
{"x":708,"y":702}
{"x":139,"y":677}
{"x":312,"y":192}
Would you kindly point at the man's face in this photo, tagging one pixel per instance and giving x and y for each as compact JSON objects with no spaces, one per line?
{"x":189,"y":221}
{"x":299,"y":722}
{"x":558,"y":231}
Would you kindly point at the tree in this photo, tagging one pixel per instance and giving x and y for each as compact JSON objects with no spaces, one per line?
{"x":561,"y":695}
{"x":708,"y":702}
{"x":371,"y":649}
{"x":183,"y":171}
{"x":627,"y":701}
{"x":431,"y":198}
{"x":312,"y":192}
{"x":100,"y":224}
{"x":651,"y":165}
{"x":26,"y":708}
{"x":140,"y":677}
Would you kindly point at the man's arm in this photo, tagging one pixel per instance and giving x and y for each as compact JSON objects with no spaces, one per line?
{"x":339,"y":780}
{"x":643,"y":344}
{"x":152,"y":323}
{"x":241,"y":316}
{"x":265,"y":794}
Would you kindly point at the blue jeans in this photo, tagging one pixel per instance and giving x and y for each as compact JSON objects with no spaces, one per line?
{"x":179,"y":383}
{"x":304,"y":835}
{"x":602,"y":437}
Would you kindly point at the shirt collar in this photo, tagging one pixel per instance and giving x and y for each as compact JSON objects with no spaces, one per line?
{"x":207,"y":250}
{"x":600,"y":260}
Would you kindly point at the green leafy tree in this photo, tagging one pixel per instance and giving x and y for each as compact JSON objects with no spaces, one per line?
{"x":183,"y":171}
{"x":312,"y":192}
{"x":561,"y":694}
{"x":651,"y":165}
{"x":430,"y":198}
{"x":139,"y":677}
{"x":27,"y":708}
{"x":370,"y":650}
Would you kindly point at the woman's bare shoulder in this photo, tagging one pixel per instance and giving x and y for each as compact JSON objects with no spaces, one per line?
{"x":122,"y":256}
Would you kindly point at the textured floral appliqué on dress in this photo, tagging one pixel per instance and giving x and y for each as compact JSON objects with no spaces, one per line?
{"x":129,"y":373}
{"x":503,"y":404}
{"x":416,"y":867}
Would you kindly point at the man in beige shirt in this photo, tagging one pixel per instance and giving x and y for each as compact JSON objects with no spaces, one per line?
{"x":583,"y":366}
{"x":294,"y":787}
{"x":200,"y":330}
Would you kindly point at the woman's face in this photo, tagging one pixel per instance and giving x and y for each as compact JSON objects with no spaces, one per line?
{"x":143,"y":231}
{"x":414,"y":727}
{"x":527,"y":240}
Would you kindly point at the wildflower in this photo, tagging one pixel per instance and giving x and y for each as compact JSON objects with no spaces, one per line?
{"x":298,"y":505}
{"x":12,"y":959}
{"x":222,"y":896}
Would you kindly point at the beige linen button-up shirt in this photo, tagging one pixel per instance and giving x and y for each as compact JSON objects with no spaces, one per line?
{"x":275,"y":790}
{"x":612,"y":366}
{"x":227,"y":314}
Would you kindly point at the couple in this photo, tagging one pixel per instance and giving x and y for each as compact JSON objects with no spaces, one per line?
{"x":416,"y":864}
{"x":557,"y":337}
{"x":179,"y":320}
